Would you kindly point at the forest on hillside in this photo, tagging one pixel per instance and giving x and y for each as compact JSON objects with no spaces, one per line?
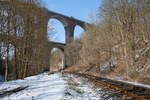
{"x":118,"y":43}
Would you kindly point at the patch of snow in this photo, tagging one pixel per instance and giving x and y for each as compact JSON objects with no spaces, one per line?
{"x":108,"y":66}
{"x":41,"y":87}
{"x":86,"y":91}
{"x":89,"y":91}
{"x":53,"y":87}
{"x":137,"y":56}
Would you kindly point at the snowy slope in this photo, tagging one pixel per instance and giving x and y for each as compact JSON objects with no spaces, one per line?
{"x":41,"y":87}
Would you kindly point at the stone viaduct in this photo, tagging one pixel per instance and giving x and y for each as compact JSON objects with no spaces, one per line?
{"x":41,"y":22}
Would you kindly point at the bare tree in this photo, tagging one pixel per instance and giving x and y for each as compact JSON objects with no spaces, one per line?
{"x":26,"y":24}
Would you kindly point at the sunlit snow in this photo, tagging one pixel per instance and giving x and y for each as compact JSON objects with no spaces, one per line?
{"x":53,"y":87}
{"x":41,"y":87}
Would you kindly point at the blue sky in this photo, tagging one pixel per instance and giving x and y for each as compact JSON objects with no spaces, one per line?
{"x":79,"y":9}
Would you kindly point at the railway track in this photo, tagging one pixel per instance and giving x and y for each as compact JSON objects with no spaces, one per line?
{"x":135,"y":92}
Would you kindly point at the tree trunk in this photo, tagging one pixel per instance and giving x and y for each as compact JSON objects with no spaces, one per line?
{"x":15,"y":53}
{"x":7,"y":48}
{"x":6,"y":67}
{"x":15,"y":64}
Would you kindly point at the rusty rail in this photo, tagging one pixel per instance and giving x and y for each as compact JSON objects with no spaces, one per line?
{"x":136,"y":92}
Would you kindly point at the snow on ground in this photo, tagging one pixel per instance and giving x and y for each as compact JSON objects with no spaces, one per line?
{"x":41,"y":87}
{"x":77,"y":89}
{"x":81,"y":89}
{"x":54,"y":87}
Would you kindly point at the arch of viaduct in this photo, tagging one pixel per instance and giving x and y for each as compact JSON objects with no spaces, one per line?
{"x":69,"y":23}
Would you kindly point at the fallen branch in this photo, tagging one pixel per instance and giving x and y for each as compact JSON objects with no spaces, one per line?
{"x":9,"y":92}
